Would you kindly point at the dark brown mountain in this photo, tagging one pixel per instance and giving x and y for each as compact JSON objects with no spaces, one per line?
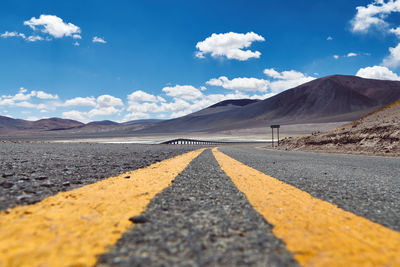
{"x":10,"y":126}
{"x":335,"y":98}
{"x":330,"y":99}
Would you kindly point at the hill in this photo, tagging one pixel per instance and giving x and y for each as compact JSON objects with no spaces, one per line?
{"x":335,"y":98}
{"x":377,"y":133}
{"x":330,"y":99}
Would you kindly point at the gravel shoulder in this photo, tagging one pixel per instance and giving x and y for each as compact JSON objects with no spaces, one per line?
{"x":32,"y":171}
{"x":200,"y":220}
{"x":366,"y":186}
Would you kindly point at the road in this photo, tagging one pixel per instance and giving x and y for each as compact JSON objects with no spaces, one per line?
{"x":236,"y":205}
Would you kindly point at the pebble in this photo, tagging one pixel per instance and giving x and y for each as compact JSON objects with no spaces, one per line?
{"x":139,"y":219}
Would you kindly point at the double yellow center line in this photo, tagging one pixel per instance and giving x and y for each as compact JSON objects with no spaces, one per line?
{"x":72,"y":227}
{"x":317,"y":232}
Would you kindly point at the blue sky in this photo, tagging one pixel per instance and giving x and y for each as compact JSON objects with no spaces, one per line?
{"x":127,"y":60}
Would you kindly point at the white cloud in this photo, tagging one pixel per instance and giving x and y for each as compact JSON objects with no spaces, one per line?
{"x":329,"y":38}
{"x":75,"y":115}
{"x":25,"y":104}
{"x":286,"y":79}
{"x":186,"y":92}
{"x":54,"y":26}
{"x":105,"y":101}
{"x":143,"y":96}
{"x":374,"y":15}
{"x":106,"y":106}
{"x":8,"y":34}
{"x":104,"y":111}
{"x":32,"y":38}
{"x":6,"y":102}
{"x":44,"y":95}
{"x":135,"y":116}
{"x":351,"y":55}
{"x":336,"y":56}
{"x":392,"y":60}
{"x":279,"y":82}
{"x":395,"y":31}
{"x":230,"y":45}
{"x":81,"y":101}
{"x":240,"y":84}
{"x":377,"y":72}
{"x":76,"y":44}
{"x":98,"y":40}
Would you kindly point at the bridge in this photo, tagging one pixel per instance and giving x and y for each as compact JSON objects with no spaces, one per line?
{"x":185,"y":141}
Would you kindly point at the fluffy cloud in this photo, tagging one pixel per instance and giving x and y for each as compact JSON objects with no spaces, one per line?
{"x":44,"y":95}
{"x":106,"y":106}
{"x":75,"y":115}
{"x":23,"y":95}
{"x":106,"y":101}
{"x":32,"y":38}
{"x":395,"y":31}
{"x":139,"y":95}
{"x":230,"y":45}
{"x":373,"y":15}
{"x":278,"y":82}
{"x":336,"y":56}
{"x":54,"y":26}
{"x":392,"y":60}
{"x":98,"y":40}
{"x":51,"y":25}
{"x":286,"y":79}
{"x":186,"y":92}
{"x":240,"y":84}
{"x":81,"y":101}
{"x":136,"y":116}
{"x":378,"y":72}
{"x":8,"y":34}
{"x":329,"y":38}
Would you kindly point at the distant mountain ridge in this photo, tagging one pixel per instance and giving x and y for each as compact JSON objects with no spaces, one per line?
{"x":330,"y":99}
{"x":334,"y":98}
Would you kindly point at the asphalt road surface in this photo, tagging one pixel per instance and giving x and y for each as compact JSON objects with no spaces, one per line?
{"x":202,"y":218}
{"x":366,"y":186}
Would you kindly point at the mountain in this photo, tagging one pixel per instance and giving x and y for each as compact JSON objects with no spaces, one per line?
{"x":336,"y":98}
{"x":10,"y":125}
{"x":330,"y":99}
{"x":105,"y":122}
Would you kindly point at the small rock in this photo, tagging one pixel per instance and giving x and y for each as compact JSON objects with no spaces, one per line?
{"x":66,"y":183}
{"x":127,"y":177}
{"x":6,"y":185}
{"x":8,"y":174}
{"x":23,"y":197}
{"x":41,"y":178}
{"x":139,"y":219}
{"x":48,"y":184}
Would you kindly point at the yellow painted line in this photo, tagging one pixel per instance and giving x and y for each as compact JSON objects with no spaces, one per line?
{"x":71,"y":228}
{"x":317,"y":232}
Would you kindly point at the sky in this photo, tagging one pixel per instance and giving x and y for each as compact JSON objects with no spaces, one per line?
{"x":130,"y":60}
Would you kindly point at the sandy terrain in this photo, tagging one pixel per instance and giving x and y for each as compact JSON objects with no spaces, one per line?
{"x":375,"y":134}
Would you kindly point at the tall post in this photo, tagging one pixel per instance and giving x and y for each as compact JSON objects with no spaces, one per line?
{"x":272,"y":137}
{"x":278,"y":136}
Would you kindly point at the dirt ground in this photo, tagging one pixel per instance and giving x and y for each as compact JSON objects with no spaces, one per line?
{"x":376,"y":134}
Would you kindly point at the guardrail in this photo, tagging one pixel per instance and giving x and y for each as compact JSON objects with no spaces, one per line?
{"x":185,"y":141}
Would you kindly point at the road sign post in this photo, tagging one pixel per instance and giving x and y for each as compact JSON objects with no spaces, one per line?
{"x":275,"y":126}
